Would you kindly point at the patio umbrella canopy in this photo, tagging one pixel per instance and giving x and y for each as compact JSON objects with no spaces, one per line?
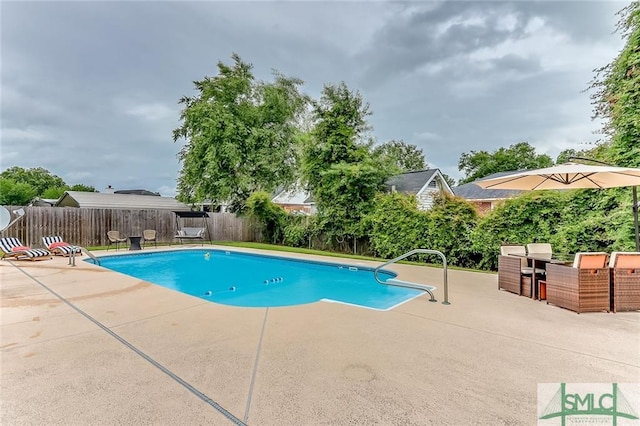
{"x":571,"y":176}
{"x":566,"y":176}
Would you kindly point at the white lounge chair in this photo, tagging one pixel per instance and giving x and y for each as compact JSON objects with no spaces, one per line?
{"x":13,"y":248}
{"x":59,"y":247}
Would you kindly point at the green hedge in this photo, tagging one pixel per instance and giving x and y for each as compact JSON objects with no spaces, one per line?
{"x":572,"y":221}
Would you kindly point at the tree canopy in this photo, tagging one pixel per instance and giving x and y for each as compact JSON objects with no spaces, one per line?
{"x":406,"y":157}
{"x":240,"y":134}
{"x":338,"y":166}
{"x":18,"y":186}
{"x":14,"y":193}
{"x":38,"y":178}
{"x":617,"y":93}
{"x":338,"y":134}
{"x":520,"y":156}
{"x":616,"y":100}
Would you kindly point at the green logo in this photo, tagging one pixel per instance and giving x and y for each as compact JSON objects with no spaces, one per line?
{"x":589,"y":405}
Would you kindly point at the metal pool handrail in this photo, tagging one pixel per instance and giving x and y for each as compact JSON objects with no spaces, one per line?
{"x":72,"y":257}
{"x":412,"y":285}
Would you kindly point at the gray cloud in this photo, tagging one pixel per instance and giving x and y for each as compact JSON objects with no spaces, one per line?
{"x":432,"y":35}
{"x":90,"y":89}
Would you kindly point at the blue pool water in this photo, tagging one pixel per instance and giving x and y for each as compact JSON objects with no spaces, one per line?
{"x":241,"y":279}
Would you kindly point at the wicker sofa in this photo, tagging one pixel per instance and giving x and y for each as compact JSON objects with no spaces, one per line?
{"x":625,"y":281}
{"x":583,"y":287}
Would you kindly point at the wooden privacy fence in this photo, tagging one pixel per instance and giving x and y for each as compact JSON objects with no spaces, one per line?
{"x":88,"y":227}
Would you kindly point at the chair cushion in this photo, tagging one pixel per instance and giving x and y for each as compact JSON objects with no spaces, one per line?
{"x":192,"y":232}
{"x":628,"y":260}
{"x":529,"y":270}
{"x":69,"y":249}
{"x":518,"y":250}
{"x":542,"y":255}
{"x":540,"y":249}
{"x":621,"y":259}
{"x":58,"y":244}
{"x":506,"y":250}
{"x":593,"y":260}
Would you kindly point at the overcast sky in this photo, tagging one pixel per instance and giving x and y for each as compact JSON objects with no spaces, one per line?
{"x":90,"y":89}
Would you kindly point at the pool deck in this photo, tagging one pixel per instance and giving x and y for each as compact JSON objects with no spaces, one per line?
{"x":84,"y":345}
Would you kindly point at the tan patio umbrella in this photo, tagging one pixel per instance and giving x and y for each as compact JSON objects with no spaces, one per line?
{"x":571,"y":176}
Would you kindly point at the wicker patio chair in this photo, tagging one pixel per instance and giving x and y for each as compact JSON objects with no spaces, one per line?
{"x":540,"y":250}
{"x":583,"y":287}
{"x":149,"y":235}
{"x":625,"y":281}
{"x":514,"y":273}
{"x":113,"y":237}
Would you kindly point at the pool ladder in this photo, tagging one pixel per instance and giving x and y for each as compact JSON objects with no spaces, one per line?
{"x":72,"y":256}
{"x":399,"y":283}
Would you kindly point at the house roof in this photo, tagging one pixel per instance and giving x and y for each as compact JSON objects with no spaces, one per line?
{"x":98,"y":200}
{"x":43,"y":201}
{"x":471,"y":191}
{"x":410,"y":182}
{"x":136,"y":192}
{"x":293,"y":196}
{"x":414,"y":182}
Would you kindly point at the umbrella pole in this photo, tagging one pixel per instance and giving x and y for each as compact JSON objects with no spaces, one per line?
{"x":635,"y":216}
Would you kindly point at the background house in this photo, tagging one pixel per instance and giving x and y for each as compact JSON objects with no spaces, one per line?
{"x":99,"y":200}
{"x":485,"y":200}
{"x":295,"y":201}
{"x":424,"y":184}
{"x":43,"y":202}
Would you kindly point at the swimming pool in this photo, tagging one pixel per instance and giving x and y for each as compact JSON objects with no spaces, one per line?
{"x":250,"y":280}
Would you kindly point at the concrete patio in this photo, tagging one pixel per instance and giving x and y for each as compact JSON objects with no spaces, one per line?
{"x":84,"y":345}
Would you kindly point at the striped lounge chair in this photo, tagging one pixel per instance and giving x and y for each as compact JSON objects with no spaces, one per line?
{"x":13,"y":248}
{"x":59,"y":247}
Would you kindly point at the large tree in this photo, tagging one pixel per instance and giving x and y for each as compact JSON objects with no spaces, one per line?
{"x":616,"y":98}
{"x":338,"y":166}
{"x":14,"y":193}
{"x":38,"y":178}
{"x":82,"y":188}
{"x":520,"y":156}
{"x":406,"y":157}
{"x":240,"y":135}
{"x":339,"y":134}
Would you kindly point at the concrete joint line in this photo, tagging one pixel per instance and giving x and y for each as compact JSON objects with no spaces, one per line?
{"x":255,"y":366}
{"x":152,"y":361}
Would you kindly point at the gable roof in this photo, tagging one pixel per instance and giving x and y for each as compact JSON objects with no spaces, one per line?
{"x":414,"y":182}
{"x":471,"y":191}
{"x":293,"y":196}
{"x":410,"y":182}
{"x":99,"y":200}
{"x":43,"y":202}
